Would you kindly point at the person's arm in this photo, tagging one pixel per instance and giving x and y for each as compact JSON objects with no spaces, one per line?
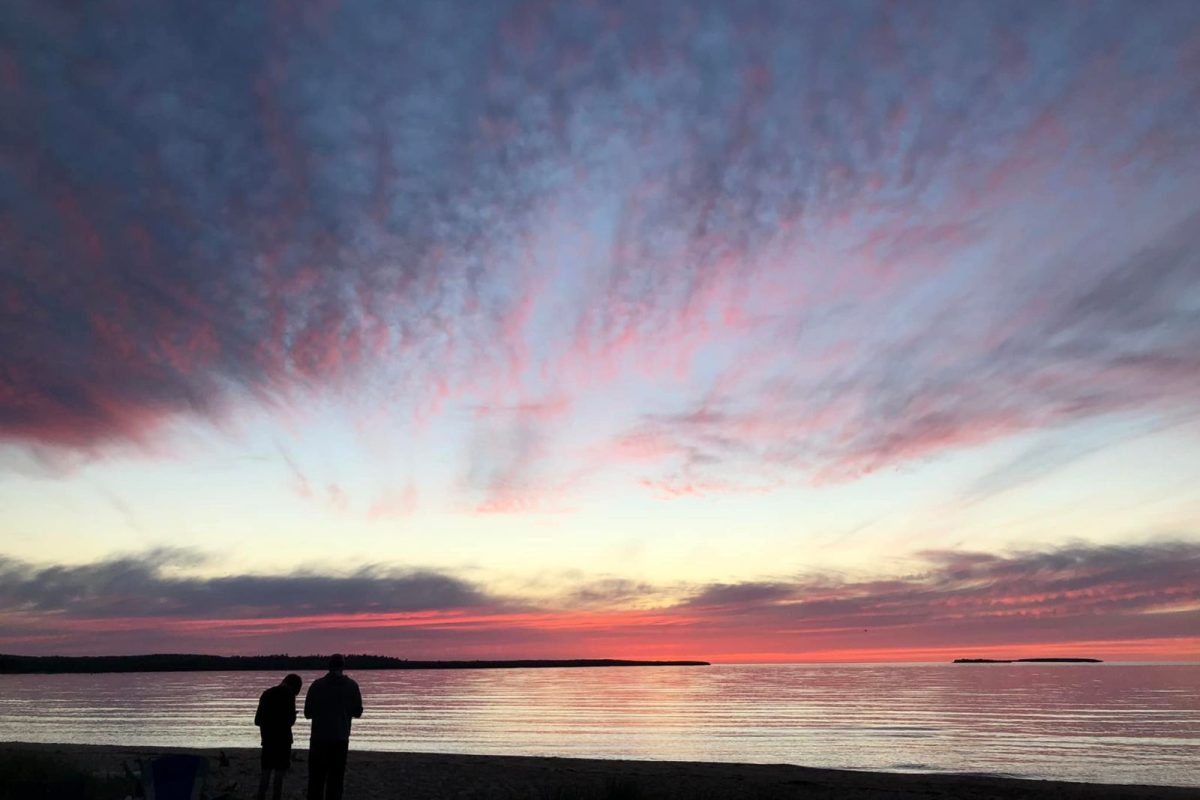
{"x":292,"y":712}
{"x":308,"y":703}
{"x":258,"y":715}
{"x":357,"y":702}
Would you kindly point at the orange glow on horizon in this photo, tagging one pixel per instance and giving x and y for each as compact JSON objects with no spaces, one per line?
{"x":651,"y":635}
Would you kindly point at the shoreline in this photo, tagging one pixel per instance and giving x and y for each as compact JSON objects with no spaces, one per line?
{"x":375,"y":775}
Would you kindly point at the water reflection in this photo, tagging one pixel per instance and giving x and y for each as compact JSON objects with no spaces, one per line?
{"x":1110,"y":722}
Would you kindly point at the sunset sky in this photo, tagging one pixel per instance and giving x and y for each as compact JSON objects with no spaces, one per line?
{"x":742,"y":331}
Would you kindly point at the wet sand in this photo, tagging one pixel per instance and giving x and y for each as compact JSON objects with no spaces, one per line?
{"x":421,"y":776}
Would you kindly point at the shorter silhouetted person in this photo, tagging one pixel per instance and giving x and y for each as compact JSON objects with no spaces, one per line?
{"x":331,"y":703}
{"x":275,"y":716}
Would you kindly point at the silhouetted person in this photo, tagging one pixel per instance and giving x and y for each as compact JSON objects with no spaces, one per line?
{"x":274,"y":718}
{"x":331,"y":703}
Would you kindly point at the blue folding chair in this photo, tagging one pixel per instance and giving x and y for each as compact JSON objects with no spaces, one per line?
{"x":174,"y":777}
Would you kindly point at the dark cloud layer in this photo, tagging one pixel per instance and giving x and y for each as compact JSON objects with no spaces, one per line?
{"x":1116,"y":594}
{"x":207,"y":201}
{"x":206,"y":198}
{"x":144,"y":586}
{"x":966,"y":587}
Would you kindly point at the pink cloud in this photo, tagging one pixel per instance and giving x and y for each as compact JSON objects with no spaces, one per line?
{"x":969,"y":232}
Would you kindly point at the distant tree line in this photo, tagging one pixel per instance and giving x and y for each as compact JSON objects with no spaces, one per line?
{"x":173,"y":662}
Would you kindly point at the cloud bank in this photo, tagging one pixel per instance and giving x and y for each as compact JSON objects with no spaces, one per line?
{"x":1113,"y":601}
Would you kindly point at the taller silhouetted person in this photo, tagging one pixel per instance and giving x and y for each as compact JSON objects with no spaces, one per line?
{"x":331,"y":703}
{"x":274,"y":718}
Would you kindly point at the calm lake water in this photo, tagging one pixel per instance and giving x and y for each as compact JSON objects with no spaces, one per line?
{"x":1119,"y":723}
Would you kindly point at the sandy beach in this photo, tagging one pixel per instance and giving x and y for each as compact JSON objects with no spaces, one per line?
{"x":421,"y":776}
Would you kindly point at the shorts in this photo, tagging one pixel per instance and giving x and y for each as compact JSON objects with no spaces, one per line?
{"x":276,"y":755}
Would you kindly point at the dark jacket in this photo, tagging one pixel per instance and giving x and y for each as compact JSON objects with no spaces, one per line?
{"x":332,"y":701}
{"x":275,"y":715}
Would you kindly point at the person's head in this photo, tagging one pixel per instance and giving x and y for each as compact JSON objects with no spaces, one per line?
{"x":337,"y":662}
{"x":293,"y":682}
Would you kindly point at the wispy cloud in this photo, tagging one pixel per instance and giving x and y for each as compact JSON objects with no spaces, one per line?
{"x":825,"y":239}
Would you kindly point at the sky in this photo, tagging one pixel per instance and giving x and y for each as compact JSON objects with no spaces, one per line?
{"x":733,"y":331}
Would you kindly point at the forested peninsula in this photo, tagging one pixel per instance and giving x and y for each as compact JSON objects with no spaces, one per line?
{"x":171,"y":662}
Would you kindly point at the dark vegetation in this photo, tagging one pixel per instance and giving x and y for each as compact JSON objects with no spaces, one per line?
{"x":42,"y":776}
{"x":1024,"y":661}
{"x":202,"y":663}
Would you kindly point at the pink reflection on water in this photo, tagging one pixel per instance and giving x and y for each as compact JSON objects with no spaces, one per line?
{"x":1122,"y":723}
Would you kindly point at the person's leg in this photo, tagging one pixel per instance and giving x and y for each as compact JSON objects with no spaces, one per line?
{"x":318,"y":767}
{"x":277,"y":793}
{"x":265,"y":763}
{"x":337,"y":769}
{"x":283,"y":762}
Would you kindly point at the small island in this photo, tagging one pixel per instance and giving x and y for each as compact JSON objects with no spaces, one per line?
{"x":1028,"y":661}
{"x":172,"y":662}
